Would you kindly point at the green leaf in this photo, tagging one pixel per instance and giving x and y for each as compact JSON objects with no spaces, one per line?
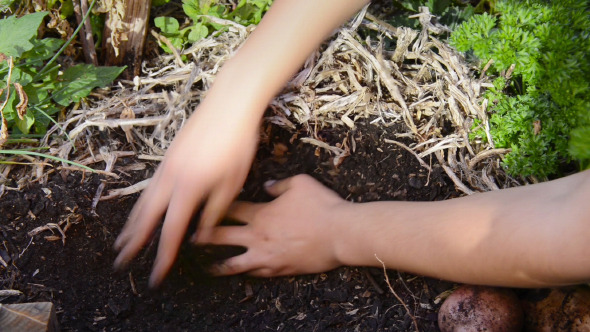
{"x":35,"y":94}
{"x":78,"y":81}
{"x":198,"y":32}
{"x":16,"y":34}
{"x":67,"y":9}
{"x":42,"y":50}
{"x":10,"y":113}
{"x":216,"y":11}
{"x":21,"y":75}
{"x":192,"y":8}
{"x":247,"y":13}
{"x":168,"y":25}
{"x":25,"y":125}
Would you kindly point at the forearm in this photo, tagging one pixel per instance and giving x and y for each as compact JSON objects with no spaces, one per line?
{"x":529,"y":236}
{"x":285,"y":37}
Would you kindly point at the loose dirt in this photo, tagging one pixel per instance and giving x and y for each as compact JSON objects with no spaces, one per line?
{"x":77,"y":275}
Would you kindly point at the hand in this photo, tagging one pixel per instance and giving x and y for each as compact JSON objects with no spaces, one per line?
{"x":207,"y":162}
{"x":294,"y":234}
{"x":210,"y":158}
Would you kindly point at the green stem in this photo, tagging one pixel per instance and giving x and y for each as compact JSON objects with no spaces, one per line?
{"x":21,"y":141}
{"x":55,"y":123}
{"x":37,"y":154}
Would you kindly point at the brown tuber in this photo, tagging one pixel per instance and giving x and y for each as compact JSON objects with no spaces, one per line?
{"x":479,"y":308}
{"x":560,"y":309}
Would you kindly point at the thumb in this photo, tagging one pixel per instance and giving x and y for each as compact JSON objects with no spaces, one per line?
{"x":277,"y":188}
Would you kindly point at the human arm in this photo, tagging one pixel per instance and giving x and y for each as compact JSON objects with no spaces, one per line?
{"x":529,"y":236}
{"x":209,"y":159}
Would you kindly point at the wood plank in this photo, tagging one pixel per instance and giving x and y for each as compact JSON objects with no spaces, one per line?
{"x":31,"y":317}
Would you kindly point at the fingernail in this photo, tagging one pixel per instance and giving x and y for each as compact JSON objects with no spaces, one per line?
{"x":215,"y":269}
{"x":269,"y":183}
{"x":119,"y":263}
{"x":194,"y":238}
{"x":154,"y":281}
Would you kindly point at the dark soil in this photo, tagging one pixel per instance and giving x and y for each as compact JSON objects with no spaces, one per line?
{"x":89,"y":296}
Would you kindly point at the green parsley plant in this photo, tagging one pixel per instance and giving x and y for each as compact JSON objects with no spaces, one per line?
{"x":543,"y":112}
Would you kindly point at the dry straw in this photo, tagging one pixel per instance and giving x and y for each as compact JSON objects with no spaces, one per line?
{"x":422,"y":83}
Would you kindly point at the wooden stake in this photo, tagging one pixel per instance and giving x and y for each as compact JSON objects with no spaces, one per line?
{"x":124,"y":35}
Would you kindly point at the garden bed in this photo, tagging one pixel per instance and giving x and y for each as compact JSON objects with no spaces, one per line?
{"x":77,"y":274}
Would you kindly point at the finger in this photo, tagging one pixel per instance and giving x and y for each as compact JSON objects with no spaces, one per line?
{"x":229,"y":235}
{"x":134,"y":220}
{"x":147,"y":195}
{"x":142,"y":224}
{"x":182,"y":206}
{"x":215,"y":208}
{"x":235,"y":265}
{"x":243,"y":211}
{"x":130,"y":223}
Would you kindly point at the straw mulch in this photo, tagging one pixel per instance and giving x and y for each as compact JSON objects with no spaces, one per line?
{"x":419,"y":81}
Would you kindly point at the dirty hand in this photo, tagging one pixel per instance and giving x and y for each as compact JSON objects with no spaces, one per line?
{"x":294,"y":234}
{"x":207,"y":163}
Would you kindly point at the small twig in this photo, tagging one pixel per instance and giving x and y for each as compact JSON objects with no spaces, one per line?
{"x":79,"y":169}
{"x":168,"y":43}
{"x":51,"y":226}
{"x":27,"y":247}
{"x":485,"y":68}
{"x":97,"y":197}
{"x":484,"y":154}
{"x":10,"y":292}
{"x":395,"y":294}
{"x":132,"y":282}
{"x":99,"y":157}
{"x":406,"y":286}
{"x":405,"y":147}
{"x":135,"y":188}
{"x":456,"y":180}
{"x":382,"y":25}
{"x":3,"y":262}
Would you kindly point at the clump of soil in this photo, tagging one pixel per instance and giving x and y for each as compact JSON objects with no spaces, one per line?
{"x":76,"y":274}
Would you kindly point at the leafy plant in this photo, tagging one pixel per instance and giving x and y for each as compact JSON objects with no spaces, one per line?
{"x":246,"y":12}
{"x":543,"y":112}
{"x":33,"y":89}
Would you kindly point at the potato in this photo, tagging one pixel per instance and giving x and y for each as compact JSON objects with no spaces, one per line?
{"x":479,"y":308}
{"x":560,"y":309}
